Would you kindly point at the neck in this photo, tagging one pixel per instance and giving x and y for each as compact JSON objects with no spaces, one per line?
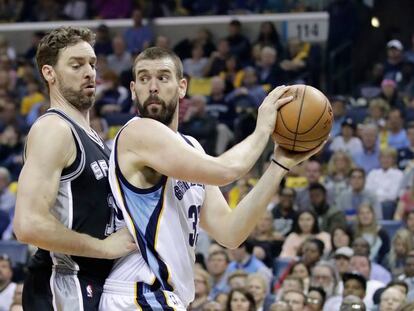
{"x":4,"y":285}
{"x":59,"y":102}
{"x":174,"y":123}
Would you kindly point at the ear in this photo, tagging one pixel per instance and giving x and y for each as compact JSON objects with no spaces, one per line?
{"x":182,"y":88}
{"x":49,"y":74}
{"x":132,"y":88}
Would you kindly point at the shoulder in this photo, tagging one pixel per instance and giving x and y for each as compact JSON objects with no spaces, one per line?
{"x":51,"y":128}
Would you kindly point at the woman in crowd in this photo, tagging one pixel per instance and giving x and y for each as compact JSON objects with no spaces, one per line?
{"x":339,"y":167}
{"x":306,"y":226}
{"x":258,"y":287}
{"x":267,"y":243}
{"x":240,"y":300}
{"x":315,"y":299}
{"x":367,"y":227}
{"x":340,"y":237}
{"x":401,"y":245}
{"x":202,"y":288}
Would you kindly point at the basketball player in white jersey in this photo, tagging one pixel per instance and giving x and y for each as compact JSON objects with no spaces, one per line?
{"x":64,"y":202}
{"x":167,"y":186}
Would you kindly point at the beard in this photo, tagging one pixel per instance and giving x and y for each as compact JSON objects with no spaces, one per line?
{"x":77,"y":99}
{"x":161,"y":111}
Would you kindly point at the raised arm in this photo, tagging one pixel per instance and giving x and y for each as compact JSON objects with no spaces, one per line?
{"x":50,"y":149}
{"x":148,"y":143}
{"x":231,"y":227}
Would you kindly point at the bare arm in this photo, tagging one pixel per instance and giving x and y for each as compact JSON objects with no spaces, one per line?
{"x":232,"y":227}
{"x":51,"y":148}
{"x":148,"y":143}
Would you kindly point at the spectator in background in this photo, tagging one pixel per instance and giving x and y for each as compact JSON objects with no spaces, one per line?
{"x":385,"y":181}
{"x":243,"y":259}
{"x":200,"y":125}
{"x":269,"y":36}
{"x":377,"y":111}
{"x":402,"y":244}
{"x":250,"y":90}
{"x":350,"y":199}
{"x":296,"y":300}
{"x":258,"y":286}
{"x":240,"y":300}
{"x":203,"y":37}
{"x":121,"y":59}
{"x":339,"y":113}
{"x":397,"y":135}
{"x":391,"y":299}
{"x":342,"y":258}
{"x":339,"y":166}
{"x":406,"y":154}
{"x":367,"y":227}
{"x":217,"y":263}
{"x":139,"y":36}
{"x":305,"y":227}
{"x":341,"y":237}
{"x":324,"y":275}
{"x":352,"y":302}
{"x":296,"y":63}
{"x":290,"y":283}
{"x":368,"y":158}
{"x":329,"y":216}
{"x":7,"y":287}
{"x":212,"y":306}
{"x":360,"y":246}
{"x":301,"y":272}
{"x":347,"y":141}
{"x":232,"y":74}
{"x":195,"y":65}
{"x":408,"y":275}
{"x":313,"y":174}
{"x":315,"y":299}
{"x":103,"y":44}
{"x":110,"y":95}
{"x":238,"y":43}
{"x":389,"y":93}
{"x":394,"y":61}
{"x":284,"y":213}
{"x":217,"y":60}
{"x":267,"y":243}
{"x":355,"y":284}
{"x":237,"y":279}
{"x":202,"y":289}
{"x":9,"y":116}
{"x":268,"y":69}
{"x":280,"y":306}
{"x":11,"y":151}
{"x":405,"y":203}
{"x":33,"y":97}
{"x":217,"y":104}
{"x":372,"y":87}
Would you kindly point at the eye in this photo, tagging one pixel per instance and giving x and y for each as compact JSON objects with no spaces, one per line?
{"x":76,"y":66}
{"x":143,"y":79}
{"x":164,"y":78}
{"x":93,"y":66}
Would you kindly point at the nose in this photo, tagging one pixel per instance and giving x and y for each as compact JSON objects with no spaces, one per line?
{"x":153,"y":86}
{"x":90,"y":72}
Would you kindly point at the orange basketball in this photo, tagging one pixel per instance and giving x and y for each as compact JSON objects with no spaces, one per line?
{"x":306,"y":121}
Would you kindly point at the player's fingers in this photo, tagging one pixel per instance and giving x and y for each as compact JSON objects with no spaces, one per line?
{"x":316,"y":149}
{"x":283,"y":101}
{"x":277,"y":92}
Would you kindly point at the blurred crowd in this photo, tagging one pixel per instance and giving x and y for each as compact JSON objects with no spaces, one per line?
{"x":338,"y":235}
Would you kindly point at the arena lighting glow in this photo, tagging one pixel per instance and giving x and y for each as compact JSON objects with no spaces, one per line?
{"x":375,"y":22}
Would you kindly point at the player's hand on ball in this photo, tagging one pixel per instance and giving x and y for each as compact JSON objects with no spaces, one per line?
{"x":119,"y":244}
{"x":290,"y":159}
{"x":266,"y":118}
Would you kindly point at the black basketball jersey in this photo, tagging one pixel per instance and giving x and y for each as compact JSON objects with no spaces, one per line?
{"x":84,"y":203}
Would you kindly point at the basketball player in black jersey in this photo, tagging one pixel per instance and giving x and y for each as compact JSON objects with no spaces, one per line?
{"x":64,"y":203}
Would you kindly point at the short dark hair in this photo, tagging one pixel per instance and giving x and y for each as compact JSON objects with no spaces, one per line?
{"x":219,"y":252}
{"x":246,"y":294}
{"x":58,"y":39}
{"x":319,"y":244}
{"x":320,"y":290}
{"x":317,"y":186}
{"x":153,"y":53}
{"x":357,"y":169}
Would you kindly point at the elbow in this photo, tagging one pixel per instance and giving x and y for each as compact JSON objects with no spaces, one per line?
{"x":231,"y":243}
{"x":23,"y":231}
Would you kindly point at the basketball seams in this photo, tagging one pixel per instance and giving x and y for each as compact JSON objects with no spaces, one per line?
{"x":300,"y":113}
{"x":317,"y":121}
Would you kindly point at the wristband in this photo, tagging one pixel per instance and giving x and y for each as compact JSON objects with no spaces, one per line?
{"x":281,"y":165}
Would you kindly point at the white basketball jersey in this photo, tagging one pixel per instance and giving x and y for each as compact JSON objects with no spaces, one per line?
{"x":164,"y":222}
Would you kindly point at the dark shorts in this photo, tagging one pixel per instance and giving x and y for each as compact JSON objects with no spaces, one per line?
{"x":44,"y":290}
